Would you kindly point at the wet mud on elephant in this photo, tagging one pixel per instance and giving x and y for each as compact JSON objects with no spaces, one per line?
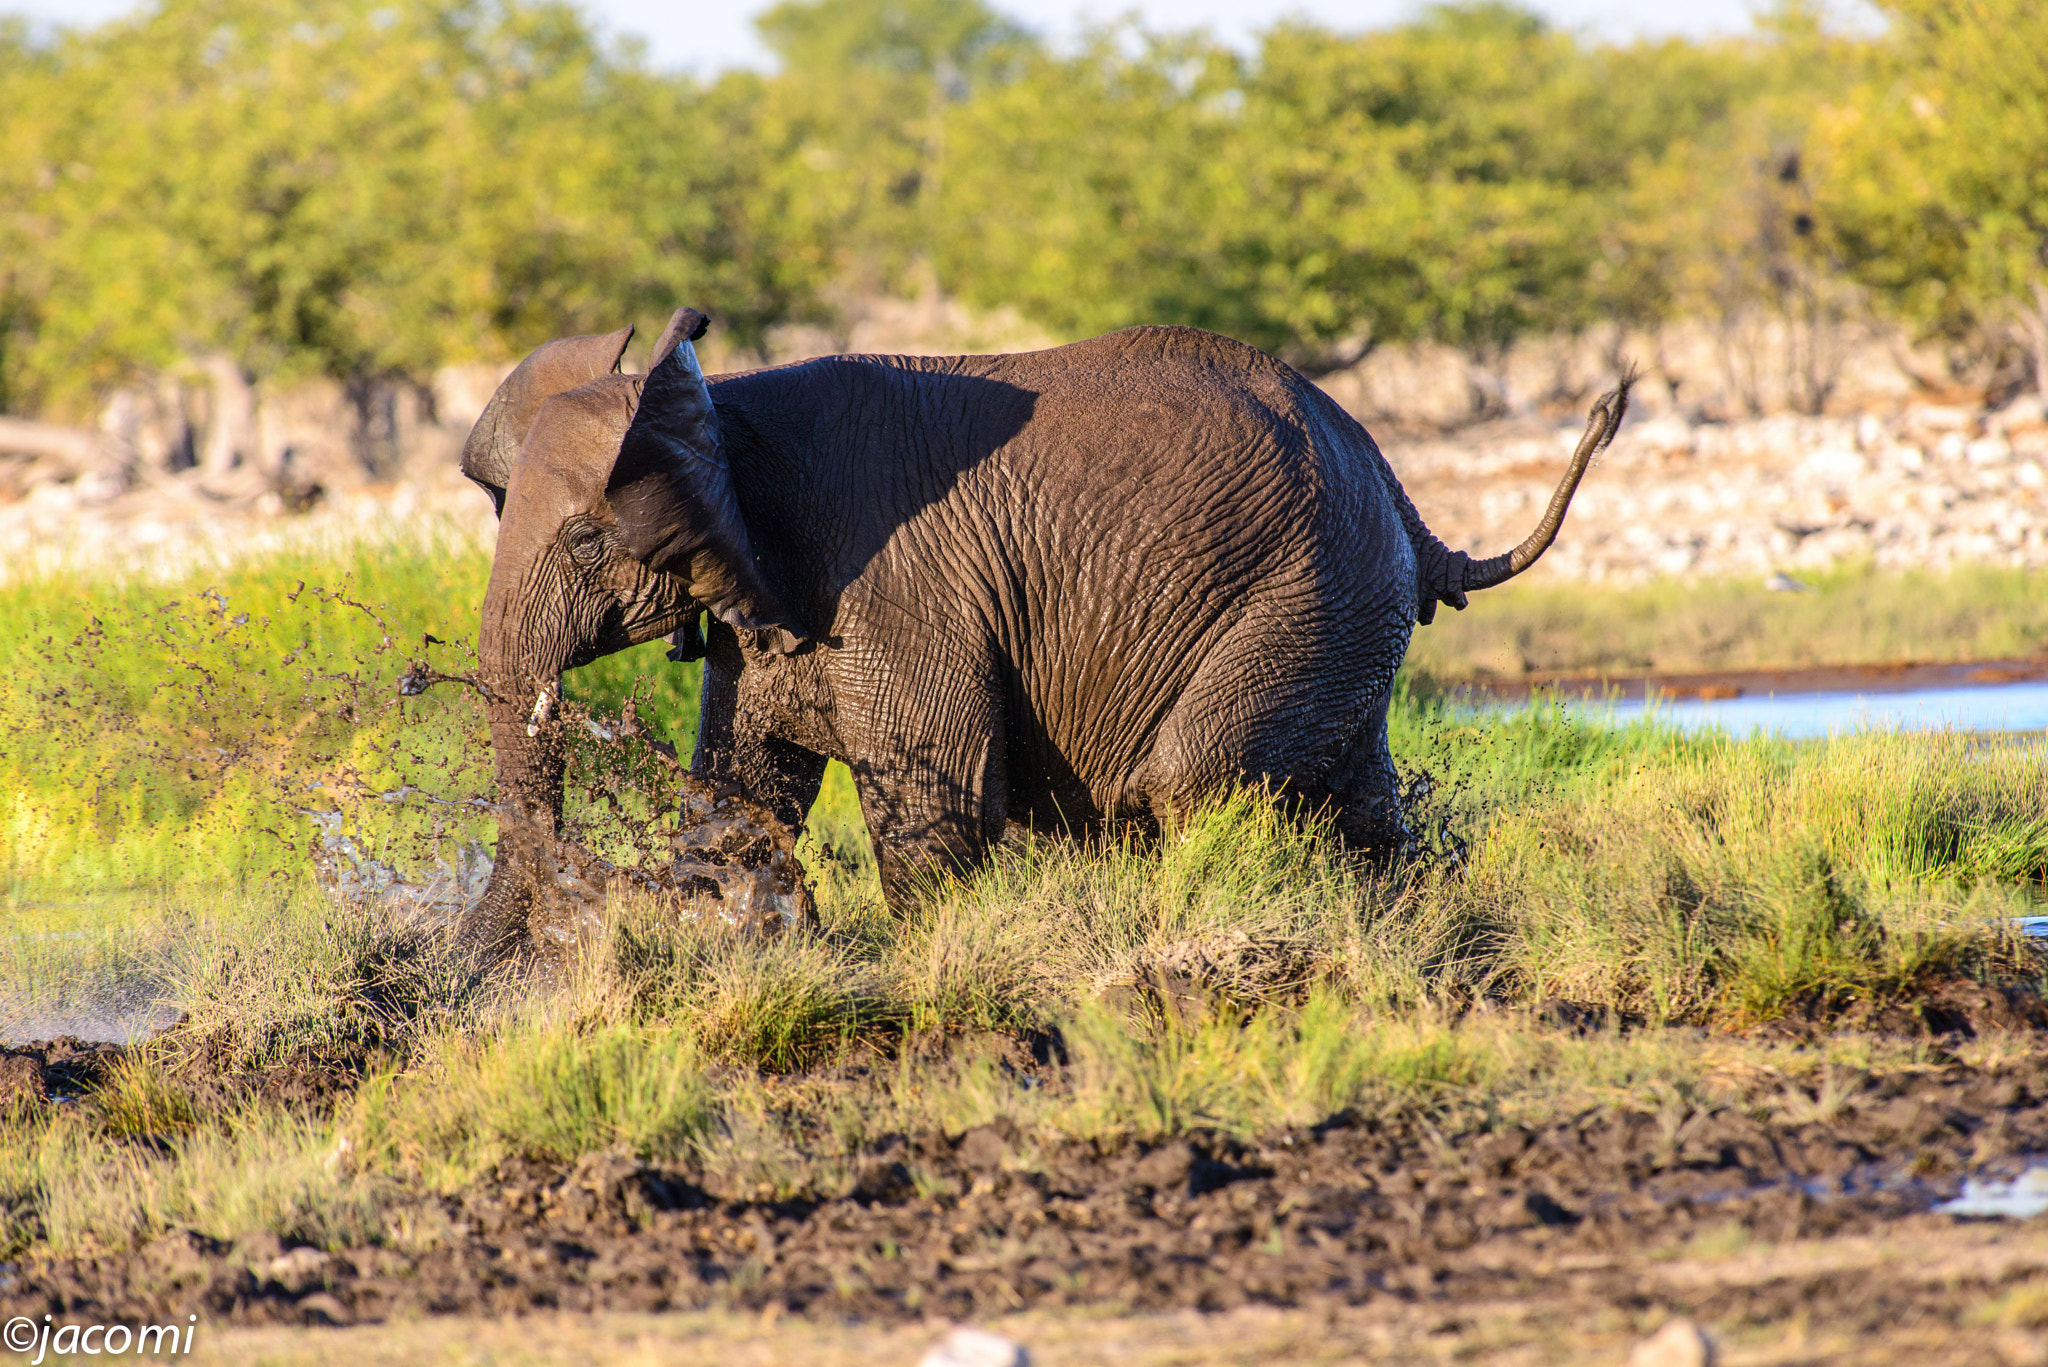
{"x":1083,"y":585}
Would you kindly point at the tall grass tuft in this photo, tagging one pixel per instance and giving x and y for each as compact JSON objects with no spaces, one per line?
{"x":542,"y":1087}
{"x":781,"y":1004}
{"x":1744,"y":877}
{"x":259,"y":1170}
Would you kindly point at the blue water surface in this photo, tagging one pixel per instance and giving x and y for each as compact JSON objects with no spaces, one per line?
{"x":1801,"y":716}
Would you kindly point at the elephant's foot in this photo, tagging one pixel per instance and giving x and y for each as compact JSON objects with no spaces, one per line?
{"x":731,"y":862}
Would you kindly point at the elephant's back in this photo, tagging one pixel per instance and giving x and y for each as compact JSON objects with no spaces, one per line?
{"x":1183,"y":471}
{"x":1172,"y":489}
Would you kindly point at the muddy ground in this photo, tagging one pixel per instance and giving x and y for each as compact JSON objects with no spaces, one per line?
{"x":1589,"y":1220}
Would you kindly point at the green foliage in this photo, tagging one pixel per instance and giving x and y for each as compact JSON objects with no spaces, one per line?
{"x":1445,"y":179}
{"x":1937,"y":184}
{"x":368,"y":192}
{"x":210,"y":731}
{"x":159,"y":734}
{"x":342,"y":187}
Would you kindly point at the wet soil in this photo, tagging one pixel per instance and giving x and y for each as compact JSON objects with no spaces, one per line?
{"x":1356,"y":1211}
{"x":31,"y":1074}
{"x":208,"y":1068}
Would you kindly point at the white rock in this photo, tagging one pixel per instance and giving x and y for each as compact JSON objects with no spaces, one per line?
{"x":299,"y":1263}
{"x":975,"y":1348}
{"x":1833,"y":466}
{"x":2030,"y":475}
{"x":1681,"y":1343}
{"x":1988,"y":451}
{"x":1668,"y":433}
{"x":1677,"y":560}
{"x":1940,"y":418}
{"x":2025,"y":411}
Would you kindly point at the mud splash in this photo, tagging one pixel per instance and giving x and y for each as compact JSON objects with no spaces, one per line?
{"x":725,"y":858}
{"x":216,"y":747}
{"x":641,"y":825}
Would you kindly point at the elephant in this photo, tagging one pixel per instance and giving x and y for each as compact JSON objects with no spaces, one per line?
{"x":1066,"y":588}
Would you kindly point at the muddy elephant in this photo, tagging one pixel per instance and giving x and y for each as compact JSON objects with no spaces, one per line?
{"x":1066,"y":587}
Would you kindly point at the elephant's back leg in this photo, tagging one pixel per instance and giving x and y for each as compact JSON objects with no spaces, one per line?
{"x":1284,"y":702}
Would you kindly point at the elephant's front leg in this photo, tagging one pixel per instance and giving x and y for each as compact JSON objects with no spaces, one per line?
{"x":933,"y":786}
{"x":737,"y":740}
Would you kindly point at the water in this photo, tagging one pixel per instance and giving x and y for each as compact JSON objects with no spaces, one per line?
{"x":1990,"y":708}
{"x":2022,"y":1198}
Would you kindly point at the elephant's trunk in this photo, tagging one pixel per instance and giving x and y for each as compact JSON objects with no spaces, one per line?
{"x":1448,"y":576}
{"x":523,"y":708}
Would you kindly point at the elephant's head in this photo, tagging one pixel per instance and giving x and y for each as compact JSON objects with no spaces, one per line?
{"x":618,"y":522}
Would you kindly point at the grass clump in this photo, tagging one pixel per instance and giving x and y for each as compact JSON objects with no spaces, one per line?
{"x":780,"y":1004}
{"x":1279,"y":1068}
{"x":69,"y":1190}
{"x":139,"y":1098}
{"x":1736,"y":880}
{"x":541,"y":1088}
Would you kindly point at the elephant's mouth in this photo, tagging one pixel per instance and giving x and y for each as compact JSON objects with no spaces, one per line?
{"x":629,"y":625}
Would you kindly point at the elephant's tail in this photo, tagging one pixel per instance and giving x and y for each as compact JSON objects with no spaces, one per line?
{"x":1447,"y":576}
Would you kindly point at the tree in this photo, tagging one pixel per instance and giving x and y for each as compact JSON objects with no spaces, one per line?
{"x":868,"y":88}
{"x":370,"y":191}
{"x":1935,"y":180}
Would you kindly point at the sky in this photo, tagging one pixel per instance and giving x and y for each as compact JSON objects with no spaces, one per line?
{"x":704,"y":37}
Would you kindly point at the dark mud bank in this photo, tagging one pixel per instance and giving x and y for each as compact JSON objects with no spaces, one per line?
{"x":990,"y":1222}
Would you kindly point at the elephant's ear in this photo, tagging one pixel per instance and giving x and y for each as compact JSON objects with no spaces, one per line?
{"x":684,"y":325}
{"x":556,"y":368}
{"x":673,"y":494}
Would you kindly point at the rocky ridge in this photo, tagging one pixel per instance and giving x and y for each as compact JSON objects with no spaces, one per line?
{"x":1688,"y":492}
{"x":1924,"y":486}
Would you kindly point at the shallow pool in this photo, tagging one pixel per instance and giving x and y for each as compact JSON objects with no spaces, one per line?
{"x":1989,"y":707}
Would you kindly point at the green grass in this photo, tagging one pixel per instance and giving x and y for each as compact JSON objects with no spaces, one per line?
{"x":336,"y":1068}
{"x":1852,"y":615}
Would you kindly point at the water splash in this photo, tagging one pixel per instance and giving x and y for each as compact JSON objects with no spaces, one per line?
{"x":346,"y":871}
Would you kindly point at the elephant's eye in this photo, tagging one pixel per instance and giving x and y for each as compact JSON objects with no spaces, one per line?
{"x":586,"y":544}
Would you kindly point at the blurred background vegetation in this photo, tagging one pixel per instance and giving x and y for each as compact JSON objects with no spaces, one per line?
{"x":368,"y":191}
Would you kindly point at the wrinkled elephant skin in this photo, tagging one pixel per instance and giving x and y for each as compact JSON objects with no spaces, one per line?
{"x":1090,"y":584}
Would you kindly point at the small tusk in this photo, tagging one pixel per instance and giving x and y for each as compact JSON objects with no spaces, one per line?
{"x":540,"y":714}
